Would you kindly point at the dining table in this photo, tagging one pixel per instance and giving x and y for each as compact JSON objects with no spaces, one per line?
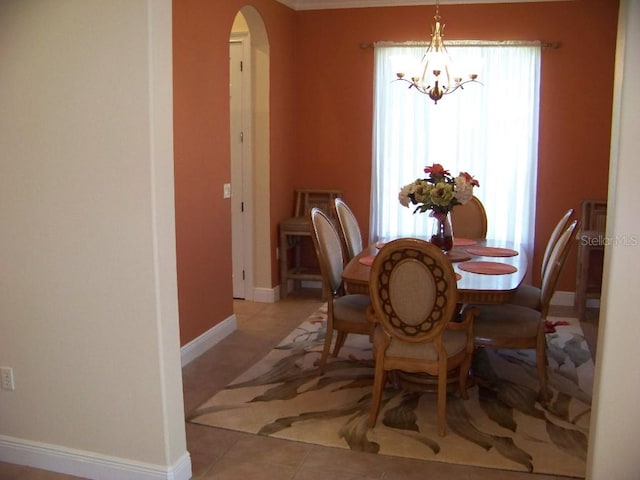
{"x":488,"y":271}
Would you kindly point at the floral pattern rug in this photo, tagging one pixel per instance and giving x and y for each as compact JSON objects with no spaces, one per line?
{"x":501,"y":425}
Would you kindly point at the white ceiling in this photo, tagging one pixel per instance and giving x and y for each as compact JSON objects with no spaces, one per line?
{"x":327,"y":4}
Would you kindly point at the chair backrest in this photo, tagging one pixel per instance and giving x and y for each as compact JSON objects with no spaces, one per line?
{"x":553,"y":238}
{"x":306,"y":199}
{"x":328,"y":246}
{"x":349,"y":227}
{"x":557,"y":259}
{"x":413,"y":290}
{"x":594,"y":215}
{"x":469,"y":220}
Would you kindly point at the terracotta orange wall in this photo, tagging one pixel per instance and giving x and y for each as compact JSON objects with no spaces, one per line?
{"x":201,"y":30}
{"x":321,"y":114}
{"x":335,"y":95}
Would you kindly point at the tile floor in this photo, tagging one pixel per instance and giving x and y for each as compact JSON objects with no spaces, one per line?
{"x":221,"y":454}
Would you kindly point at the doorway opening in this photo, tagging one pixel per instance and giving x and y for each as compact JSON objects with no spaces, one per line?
{"x":249,"y":157}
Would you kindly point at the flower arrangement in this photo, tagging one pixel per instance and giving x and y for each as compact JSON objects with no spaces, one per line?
{"x":440,"y":192}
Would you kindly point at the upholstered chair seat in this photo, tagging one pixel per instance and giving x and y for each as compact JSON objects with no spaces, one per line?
{"x":350,"y":308}
{"x":527,"y":296}
{"x":513,"y":326}
{"x":453,"y":341}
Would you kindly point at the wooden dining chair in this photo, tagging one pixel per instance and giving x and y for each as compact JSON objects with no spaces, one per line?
{"x":349,"y":229}
{"x":530,"y":295}
{"x":413,"y":297}
{"x":518,"y":327}
{"x":469,"y":220}
{"x":346,"y":313}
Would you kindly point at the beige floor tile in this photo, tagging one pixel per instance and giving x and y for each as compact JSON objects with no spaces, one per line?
{"x":345,"y":462}
{"x":269,"y":450}
{"x":234,"y":469}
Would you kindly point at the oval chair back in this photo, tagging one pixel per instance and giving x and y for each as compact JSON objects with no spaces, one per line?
{"x":555,"y":265}
{"x":413,"y":290}
{"x":350,"y":230}
{"x":328,"y":245}
{"x":562,"y":224}
{"x":469,"y":220}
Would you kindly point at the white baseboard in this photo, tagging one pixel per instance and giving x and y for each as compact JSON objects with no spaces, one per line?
{"x":563,"y":299}
{"x":266,"y":295}
{"x":88,"y":464}
{"x":568,"y":299}
{"x":208,"y":339}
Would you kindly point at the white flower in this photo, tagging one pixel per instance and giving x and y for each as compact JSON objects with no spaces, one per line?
{"x":463,"y":189}
{"x":403,"y":196}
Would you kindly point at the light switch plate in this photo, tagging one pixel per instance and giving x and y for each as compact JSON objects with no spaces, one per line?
{"x":6,"y":378}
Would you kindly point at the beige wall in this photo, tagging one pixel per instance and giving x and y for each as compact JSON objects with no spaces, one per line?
{"x":88,"y":296}
{"x":616,"y":420}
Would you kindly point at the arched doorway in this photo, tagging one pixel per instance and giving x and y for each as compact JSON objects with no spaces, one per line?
{"x":249,"y":117}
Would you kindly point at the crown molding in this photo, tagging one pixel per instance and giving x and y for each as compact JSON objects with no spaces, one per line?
{"x":331,"y":4}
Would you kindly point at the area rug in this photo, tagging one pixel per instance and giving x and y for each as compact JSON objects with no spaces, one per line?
{"x":501,"y":425}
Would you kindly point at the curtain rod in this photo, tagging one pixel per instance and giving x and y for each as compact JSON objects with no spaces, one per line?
{"x":468,"y":43}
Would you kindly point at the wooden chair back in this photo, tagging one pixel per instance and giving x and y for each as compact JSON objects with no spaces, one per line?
{"x":555,"y":265}
{"x":469,"y":220}
{"x":594,"y":215}
{"x":307,"y":199}
{"x":349,"y":229}
{"x":328,"y":246}
{"x":553,"y":238}
{"x":413,"y":290}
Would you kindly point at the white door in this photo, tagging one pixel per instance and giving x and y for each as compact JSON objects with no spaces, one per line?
{"x":241,"y":232}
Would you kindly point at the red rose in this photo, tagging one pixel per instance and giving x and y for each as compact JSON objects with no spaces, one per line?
{"x":436,"y":170}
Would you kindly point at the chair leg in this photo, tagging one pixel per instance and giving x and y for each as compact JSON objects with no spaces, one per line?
{"x":541,"y":365}
{"x":340,"y":339}
{"x":442,"y":399}
{"x":284,"y":266}
{"x":378,"y":385}
{"x":327,"y":346}
{"x":465,"y":367}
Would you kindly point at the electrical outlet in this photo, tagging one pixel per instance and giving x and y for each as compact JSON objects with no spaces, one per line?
{"x":226,"y":190}
{"x":6,"y":378}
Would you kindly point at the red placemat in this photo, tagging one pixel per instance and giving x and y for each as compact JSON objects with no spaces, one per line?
{"x":461,"y":242}
{"x":458,"y":255}
{"x":491,"y":251}
{"x":488,"y":268}
{"x":368,"y":260}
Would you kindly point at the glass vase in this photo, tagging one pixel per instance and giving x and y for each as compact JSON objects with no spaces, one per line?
{"x":442,"y":235}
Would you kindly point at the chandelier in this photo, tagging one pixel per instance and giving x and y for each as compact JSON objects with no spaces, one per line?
{"x":436,"y":76}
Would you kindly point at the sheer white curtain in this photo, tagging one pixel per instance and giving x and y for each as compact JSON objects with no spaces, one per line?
{"x":489,"y":130}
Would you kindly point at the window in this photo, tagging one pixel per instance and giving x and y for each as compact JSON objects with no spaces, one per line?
{"x":489,"y":130}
